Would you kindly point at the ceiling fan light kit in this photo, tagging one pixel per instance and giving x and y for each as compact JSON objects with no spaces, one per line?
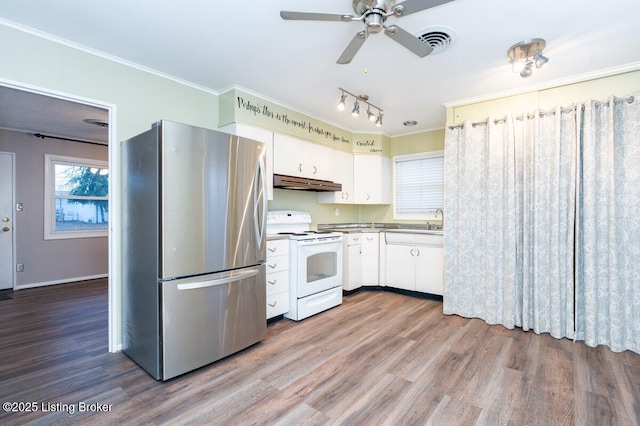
{"x":374,"y":118}
{"x":525,"y":54}
{"x":374,"y":13}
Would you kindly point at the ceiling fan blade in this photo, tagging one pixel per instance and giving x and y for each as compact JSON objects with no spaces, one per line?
{"x":407,"y":39}
{"x":413,"y":6}
{"x":356,"y":43}
{"x":310,"y":16}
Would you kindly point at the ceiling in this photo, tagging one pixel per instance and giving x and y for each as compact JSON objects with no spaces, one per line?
{"x":219,"y":44}
{"x":54,"y":117}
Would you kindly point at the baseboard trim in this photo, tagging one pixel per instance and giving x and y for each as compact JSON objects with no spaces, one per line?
{"x":66,"y":280}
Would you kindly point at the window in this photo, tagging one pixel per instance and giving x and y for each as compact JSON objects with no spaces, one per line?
{"x":76,"y":203}
{"x":418,"y":185}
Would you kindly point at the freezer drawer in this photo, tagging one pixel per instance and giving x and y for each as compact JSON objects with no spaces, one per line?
{"x":207,"y":318}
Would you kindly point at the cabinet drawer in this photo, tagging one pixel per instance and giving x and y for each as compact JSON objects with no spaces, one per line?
{"x":355,"y":239}
{"x":277,"y":263}
{"x":277,"y":282}
{"x":277,"y":304}
{"x":277,"y":247}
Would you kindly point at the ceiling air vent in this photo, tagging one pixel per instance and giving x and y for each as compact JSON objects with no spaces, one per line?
{"x":440,"y":38}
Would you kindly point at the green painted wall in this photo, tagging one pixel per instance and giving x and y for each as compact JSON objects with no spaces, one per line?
{"x":418,"y":142}
{"x":140,"y":99}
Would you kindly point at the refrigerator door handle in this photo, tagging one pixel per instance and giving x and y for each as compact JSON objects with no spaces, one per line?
{"x":259,"y":201}
{"x":226,"y":277}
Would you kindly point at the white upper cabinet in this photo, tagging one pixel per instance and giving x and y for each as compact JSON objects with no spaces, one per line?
{"x":295,"y":157}
{"x":371,"y":179}
{"x":343,"y":174}
{"x":260,"y":135}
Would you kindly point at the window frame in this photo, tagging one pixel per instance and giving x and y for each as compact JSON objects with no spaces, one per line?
{"x":424,"y":215}
{"x":50,"y":197}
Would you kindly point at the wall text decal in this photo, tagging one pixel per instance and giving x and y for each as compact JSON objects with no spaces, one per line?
{"x":266,"y":111}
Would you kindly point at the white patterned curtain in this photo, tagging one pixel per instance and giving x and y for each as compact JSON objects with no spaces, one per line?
{"x":545,"y":169}
{"x":480,"y":236}
{"x":543,"y":222}
{"x":608,"y":226}
{"x":509,"y":192}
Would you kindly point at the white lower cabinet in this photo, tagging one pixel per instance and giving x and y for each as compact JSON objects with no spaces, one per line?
{"x":362,"y":260}
{"x":370,"y":258}
{"x":415,"y":268}
{"x":352,"y":265}
{"x":277,"y":277}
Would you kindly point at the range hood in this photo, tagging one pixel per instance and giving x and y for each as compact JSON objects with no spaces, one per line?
{"x":305,"y":184}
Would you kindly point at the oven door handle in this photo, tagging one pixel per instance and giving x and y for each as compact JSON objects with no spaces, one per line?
{"x":319,"y":242}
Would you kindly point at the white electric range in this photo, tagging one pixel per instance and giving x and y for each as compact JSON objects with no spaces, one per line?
{"x":315,"y":263}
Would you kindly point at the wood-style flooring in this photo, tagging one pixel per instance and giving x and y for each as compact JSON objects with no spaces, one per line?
{"x":379,"y":358}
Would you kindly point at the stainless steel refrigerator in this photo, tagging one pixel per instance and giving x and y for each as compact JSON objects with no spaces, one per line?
{"x":194,"y":247}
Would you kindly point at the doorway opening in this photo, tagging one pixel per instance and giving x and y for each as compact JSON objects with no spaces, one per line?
{"x":44,"y":122}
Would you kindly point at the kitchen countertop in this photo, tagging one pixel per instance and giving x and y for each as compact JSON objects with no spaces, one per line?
{"x":378,"y":227}
{"x":271,"y":237}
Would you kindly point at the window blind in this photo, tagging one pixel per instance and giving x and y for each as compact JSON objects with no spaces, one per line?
{"x":419,"y":184}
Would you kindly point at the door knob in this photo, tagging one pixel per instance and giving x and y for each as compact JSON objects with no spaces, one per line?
{"x":5,"y":219}
{"x":6,"y":229}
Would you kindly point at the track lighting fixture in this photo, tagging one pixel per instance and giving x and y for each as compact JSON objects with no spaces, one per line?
{"x":523,"y":55}
{"x":374,"y":118}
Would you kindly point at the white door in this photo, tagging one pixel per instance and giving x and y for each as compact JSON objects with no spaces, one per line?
{"x":6,"y":220}
{"x":430,"y":270}
{"x":401,"y":266}
{"x":370,"y":258}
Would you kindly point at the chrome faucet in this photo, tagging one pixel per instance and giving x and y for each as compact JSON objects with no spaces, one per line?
{"x":442,"y":214}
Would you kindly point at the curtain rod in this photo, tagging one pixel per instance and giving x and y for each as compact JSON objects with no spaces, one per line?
{"x":629,"y":99}
{"x":41,"y":136}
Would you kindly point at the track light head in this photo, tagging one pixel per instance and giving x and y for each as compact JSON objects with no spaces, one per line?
{"x":341,"y":105}
{"x":541,"y":60}
{"x":527,"y":70}
{"x":371,"y":116}
{"x":356,"y":109}
{"x":379,"y":120}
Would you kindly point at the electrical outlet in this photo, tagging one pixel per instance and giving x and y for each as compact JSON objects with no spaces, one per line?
{"x":19,"y":207}
{"x":20,"y":267}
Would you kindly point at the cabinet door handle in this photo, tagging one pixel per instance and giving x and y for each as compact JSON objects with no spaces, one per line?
{"x":412,"y":250}
{"x":273,"y":282}
{"x":347,"y":195}
{"x":274,"y":304}
{"x":315,"y":170}
{"x":300,"y":167}
{"x":273,"y":266}
{"x":418,"y":252}
{"x":369,"y":238}
{"x":272,"y":250}
{"x":355,"y":238}
{"x":368,"y":196}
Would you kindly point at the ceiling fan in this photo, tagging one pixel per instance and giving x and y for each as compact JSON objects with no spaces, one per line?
{"x":374,"y":13}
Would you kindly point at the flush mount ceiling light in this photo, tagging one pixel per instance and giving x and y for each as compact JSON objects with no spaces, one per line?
{"x":523,"y":55}
{"x":96,"y":122}
{"x":374,"y":118}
